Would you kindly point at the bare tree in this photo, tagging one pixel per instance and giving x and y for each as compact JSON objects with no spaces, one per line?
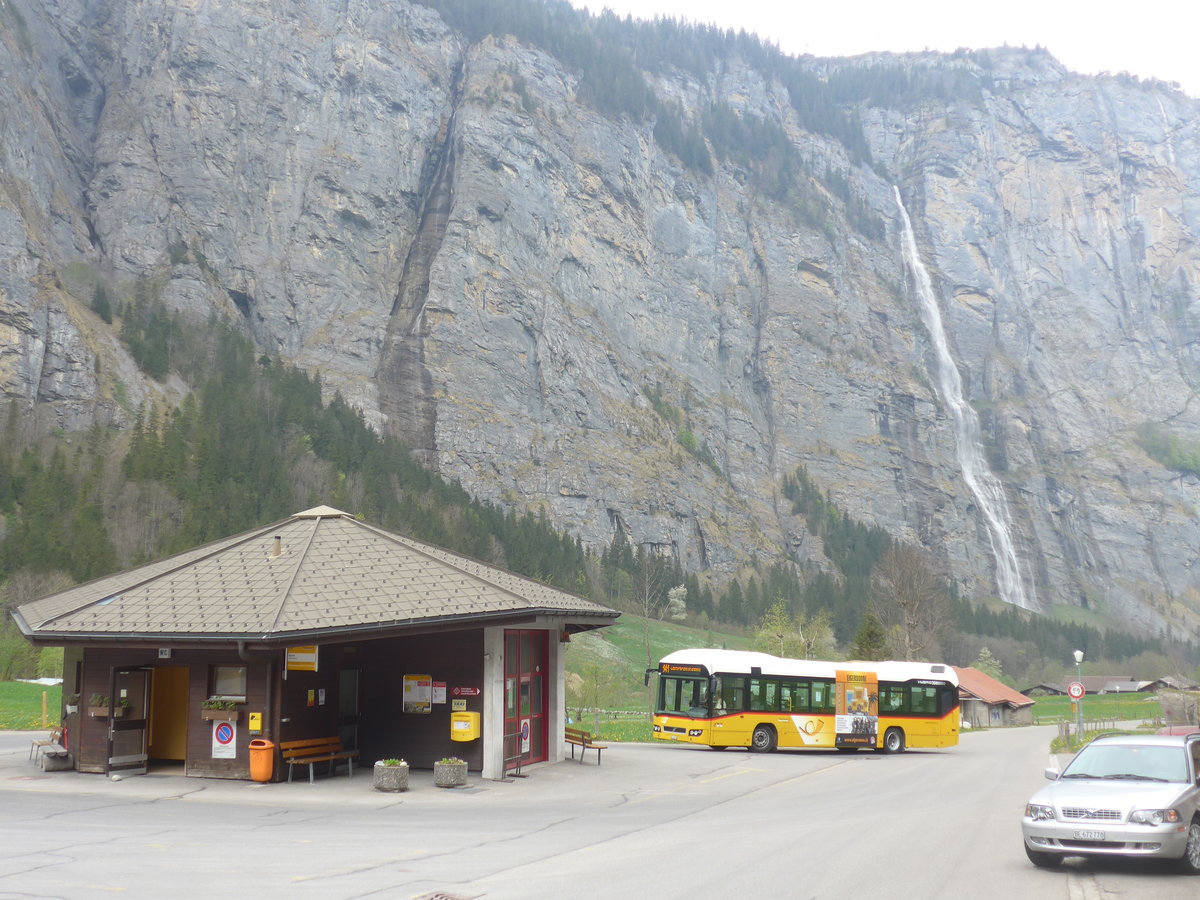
{"x":911,"y":601}
{"x":795,"y":637}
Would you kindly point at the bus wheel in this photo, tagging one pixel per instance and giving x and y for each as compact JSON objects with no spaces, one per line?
{"x":893,"y":741}
{"x":764,"y":739}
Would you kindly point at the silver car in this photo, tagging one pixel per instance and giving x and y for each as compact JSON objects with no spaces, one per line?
{"x":1133,"y":796}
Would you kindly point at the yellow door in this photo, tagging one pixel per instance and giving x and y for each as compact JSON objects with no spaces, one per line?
{"x":168,"y":713}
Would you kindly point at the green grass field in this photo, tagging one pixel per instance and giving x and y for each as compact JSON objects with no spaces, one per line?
{"x":1114,"y":707}
{"x":21,"y":705}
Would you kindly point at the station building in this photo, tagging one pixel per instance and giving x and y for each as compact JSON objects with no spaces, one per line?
{"x":316,"y":626}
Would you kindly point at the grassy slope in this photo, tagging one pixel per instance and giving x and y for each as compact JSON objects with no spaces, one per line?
{"x":21,"y":705}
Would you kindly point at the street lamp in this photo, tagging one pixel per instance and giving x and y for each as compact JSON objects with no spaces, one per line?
{"x":1079,"y":702}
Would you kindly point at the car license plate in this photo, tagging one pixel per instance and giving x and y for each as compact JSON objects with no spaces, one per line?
{"x":1089,"y":835}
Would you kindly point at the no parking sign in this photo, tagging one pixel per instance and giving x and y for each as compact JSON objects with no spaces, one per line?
{"x":224,"y":740}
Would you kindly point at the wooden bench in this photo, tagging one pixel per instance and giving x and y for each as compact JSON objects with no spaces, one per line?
{"x":311,"y":751}
{"x":576,"y":737}
{"x":51,"y":745}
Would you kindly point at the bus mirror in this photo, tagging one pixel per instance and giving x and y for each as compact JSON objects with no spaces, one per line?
{"x":649,"y":672}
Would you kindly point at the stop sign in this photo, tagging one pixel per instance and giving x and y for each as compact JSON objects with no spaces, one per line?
{"x":1075,"y":690}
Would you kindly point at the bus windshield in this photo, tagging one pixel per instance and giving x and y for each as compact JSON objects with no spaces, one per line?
{"x":683,"y":696}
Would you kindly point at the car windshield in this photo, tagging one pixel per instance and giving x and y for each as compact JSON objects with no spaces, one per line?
{"x":1129,"y":761}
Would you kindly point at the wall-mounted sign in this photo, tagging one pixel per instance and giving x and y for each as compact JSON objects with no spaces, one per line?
{"x":418,"y":694}
{"x":458,"y":705}
{"x":465,"y":691}
{"x":439,"y":692}
{"x":302,"y":659}
{"x":224,"y":740}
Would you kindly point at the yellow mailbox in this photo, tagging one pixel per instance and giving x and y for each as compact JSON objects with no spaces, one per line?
{"x":464,"y":726}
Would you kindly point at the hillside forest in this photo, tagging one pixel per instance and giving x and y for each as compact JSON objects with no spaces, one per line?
{"x":255,"y":441}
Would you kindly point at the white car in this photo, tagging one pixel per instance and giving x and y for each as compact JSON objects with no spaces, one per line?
{"x":1132,"y":796}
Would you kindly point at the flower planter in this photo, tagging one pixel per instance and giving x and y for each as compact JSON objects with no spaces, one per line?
{"x":71,"y":708}
{"x":221,"y":715}
{"x":101,"y":712}
{"x":450,"y":774}
{"x":390,"y":778}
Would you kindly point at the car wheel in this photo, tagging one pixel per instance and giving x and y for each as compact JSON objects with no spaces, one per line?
{"x":1043,"y":860}
{"x":893,"y":741}
{"x":764,"y":739}
{"x":1190,"y":861}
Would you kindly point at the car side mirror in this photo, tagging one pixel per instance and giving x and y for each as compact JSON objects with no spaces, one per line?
{"x":1051,"y":774}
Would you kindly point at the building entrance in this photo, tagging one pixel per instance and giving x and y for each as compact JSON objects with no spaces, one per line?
{"x":525,"y":657}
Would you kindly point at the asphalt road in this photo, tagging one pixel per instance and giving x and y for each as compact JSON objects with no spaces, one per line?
{"x":651,"y":821}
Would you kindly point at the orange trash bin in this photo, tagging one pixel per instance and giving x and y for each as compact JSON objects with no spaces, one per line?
{"x":262,"y":760}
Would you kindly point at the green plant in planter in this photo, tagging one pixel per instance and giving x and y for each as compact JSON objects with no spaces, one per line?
{"x":216,"y":703}
{"x":98,"y":700}
{"x":452,"y":761}
{"x":390,"y":774}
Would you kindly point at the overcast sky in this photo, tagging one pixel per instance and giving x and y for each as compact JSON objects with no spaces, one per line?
{"x":1151,"y":39}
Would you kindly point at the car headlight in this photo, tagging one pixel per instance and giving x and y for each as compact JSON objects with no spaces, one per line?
{"x":1038,"y":812}
{"x":1154,"y":816}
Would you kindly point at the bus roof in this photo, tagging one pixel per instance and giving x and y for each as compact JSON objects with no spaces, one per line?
{"x":741,"y":661}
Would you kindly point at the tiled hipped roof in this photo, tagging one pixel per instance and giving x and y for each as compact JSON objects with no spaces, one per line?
{"x":318,"y":571}
{"x":974,"y":683}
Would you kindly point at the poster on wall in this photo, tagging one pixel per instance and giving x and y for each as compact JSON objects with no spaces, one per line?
{"x":439,"y":692}
{"x":224,"y":740}
{"x":418,"y":694}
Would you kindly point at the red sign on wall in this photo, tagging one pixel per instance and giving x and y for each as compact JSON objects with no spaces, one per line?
{"x":465,"y":691}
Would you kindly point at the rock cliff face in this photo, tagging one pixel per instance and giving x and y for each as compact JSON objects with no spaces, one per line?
{"x":553,"y":310}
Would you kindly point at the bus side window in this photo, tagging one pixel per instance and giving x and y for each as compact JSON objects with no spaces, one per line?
{"x":924,"y":700}
{"x":734,"y":692}
{"x":758,"y":694}
{"x":800,"y":701}
{"x":893,"y":699}
{"x":822,"y":696}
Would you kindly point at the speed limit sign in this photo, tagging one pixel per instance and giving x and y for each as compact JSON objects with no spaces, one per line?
{"x":1075,"y":690}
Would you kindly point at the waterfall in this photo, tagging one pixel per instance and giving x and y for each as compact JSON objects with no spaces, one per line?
{"x":983,"y":484}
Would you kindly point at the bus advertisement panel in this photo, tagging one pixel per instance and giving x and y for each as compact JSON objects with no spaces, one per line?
{"x":857,"y":709}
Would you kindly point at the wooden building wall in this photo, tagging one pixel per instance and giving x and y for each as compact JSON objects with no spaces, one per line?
{"x":297,"y":704}
{"x":90,"y":735}
{"x":455,"y":658}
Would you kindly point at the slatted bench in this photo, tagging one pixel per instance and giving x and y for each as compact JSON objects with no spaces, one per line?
{"x":311,"y":751}
{"x":577,"y":737}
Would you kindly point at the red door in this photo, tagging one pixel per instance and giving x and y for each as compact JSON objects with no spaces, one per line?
{"x":525,"y":656}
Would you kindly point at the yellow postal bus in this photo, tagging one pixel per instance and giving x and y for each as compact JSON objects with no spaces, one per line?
{"x":735,"y":698}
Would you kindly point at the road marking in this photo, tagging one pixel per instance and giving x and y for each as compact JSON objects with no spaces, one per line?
{"x":730,"y":775}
